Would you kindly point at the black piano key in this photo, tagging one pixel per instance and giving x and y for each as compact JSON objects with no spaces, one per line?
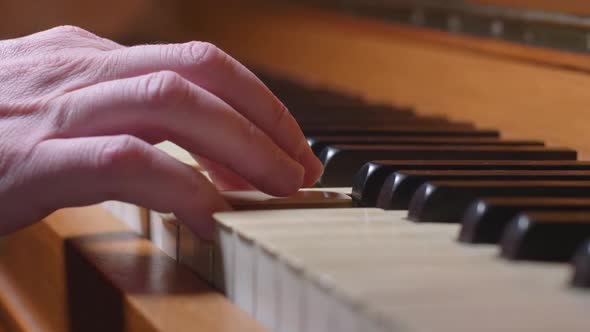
{"x":341,"y":162}
{"x":485,"y":220}
{"x":581,"y":263}
{"x":392,"y":130}
{"x":368,"y":181}
{"x":545,"y":236}
{"x":447,"y":201}
{"x":400,"y":186}
{"x":319,"y":143}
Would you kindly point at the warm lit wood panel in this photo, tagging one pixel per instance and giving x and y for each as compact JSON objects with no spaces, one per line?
{"x":127,"y":21}
{"x":527,"y":93}
{"x":83,"y":270}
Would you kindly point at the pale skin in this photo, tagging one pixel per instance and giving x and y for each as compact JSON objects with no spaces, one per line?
{"x":79,"y":114}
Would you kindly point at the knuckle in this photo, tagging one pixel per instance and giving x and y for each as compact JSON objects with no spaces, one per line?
{"x":164,"y":88}
{"x":70,"y":30}
{"x":204,"y":53}
{"x":121,"y":152}
{"x":187,"y":53}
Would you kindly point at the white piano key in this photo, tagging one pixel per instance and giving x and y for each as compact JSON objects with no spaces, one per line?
{"x":304,"y":198}
{"x":226,"y":247}
{"x":316,"y":309}
{"x":346,"y":317}
{"x":133,"y":216}
{"x":290,"y":297}
{"x":438,"y":287}
{"x":341,"y":190}
{"x":505,"y":312}
{"x":389,"y":273}
{"x":177,"y":153}
{"x":244,"y":274}
{"x":419,"y":266}
{"x":266,"y":299}
{"x":232,"y":220}
{"x":289,"y":292}
{"x":164,"y":233}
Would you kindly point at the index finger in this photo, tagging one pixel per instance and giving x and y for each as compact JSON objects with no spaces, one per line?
{"x":212,"y":69}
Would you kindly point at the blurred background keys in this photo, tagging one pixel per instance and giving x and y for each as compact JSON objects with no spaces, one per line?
{"x":545,"y":236}
{"x":370,"y":178}
{"x":319,"y":143}
{"x":446,"y":201}
{"x":341,"y":162}
{"x":399,"y":187}
{"x":485,"y":220}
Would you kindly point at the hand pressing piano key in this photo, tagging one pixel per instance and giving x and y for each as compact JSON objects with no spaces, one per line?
{"x":67,"y":143}
{"x":369,"y":179}
{"x":341,"y":162}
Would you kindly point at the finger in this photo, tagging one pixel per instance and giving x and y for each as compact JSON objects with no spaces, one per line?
{"x":82,"y":171}
{"x":209,"y":67}
{"x":164,"y":106}
{"x":222,"y":177}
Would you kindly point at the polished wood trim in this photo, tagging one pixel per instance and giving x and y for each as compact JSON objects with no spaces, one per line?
{"x":81,"y":269}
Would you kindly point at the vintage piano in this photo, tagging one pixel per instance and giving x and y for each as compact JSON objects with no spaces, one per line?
{"x":455,"y":198}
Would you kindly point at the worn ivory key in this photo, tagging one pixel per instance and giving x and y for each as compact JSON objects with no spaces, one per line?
{"x":204,"y":258}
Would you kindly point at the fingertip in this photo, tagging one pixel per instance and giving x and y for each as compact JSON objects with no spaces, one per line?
{"x":313,"y":168}
{"x":290,"y":181}
{"x":204,"y":225}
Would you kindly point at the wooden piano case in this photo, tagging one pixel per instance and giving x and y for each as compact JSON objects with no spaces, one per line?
{"x":83,"y":270}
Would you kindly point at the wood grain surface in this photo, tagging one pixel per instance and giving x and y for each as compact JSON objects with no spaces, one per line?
{"x":83,"y":270}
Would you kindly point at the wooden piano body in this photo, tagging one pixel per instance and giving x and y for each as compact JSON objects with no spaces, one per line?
{"x":83,"y":269}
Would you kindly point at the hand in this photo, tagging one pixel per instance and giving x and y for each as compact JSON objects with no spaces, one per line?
{"x":78,"y":115}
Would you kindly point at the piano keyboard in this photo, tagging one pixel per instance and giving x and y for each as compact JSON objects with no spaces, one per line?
{"x":419,"y":224}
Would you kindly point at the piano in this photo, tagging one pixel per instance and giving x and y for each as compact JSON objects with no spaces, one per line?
{"x":456,"y":195}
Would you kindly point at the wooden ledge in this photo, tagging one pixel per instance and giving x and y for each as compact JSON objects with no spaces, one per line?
{"x":83,"y":270}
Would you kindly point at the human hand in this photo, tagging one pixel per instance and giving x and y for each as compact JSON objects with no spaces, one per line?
{"x":78,"y":115}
